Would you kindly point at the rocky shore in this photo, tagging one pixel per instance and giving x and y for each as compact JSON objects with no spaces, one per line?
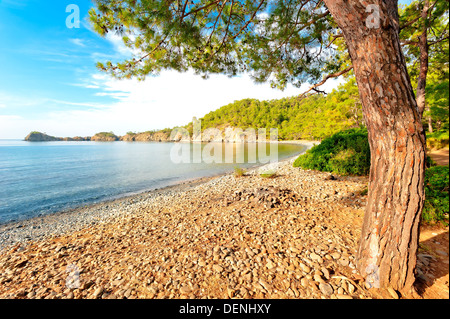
{"x":229,"y":136}
{"x":290,"y":236}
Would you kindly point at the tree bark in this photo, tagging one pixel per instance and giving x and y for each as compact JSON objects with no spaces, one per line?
{"x":430,"y":122}
{"x":423,"y":71}
{"x":389,"y":239}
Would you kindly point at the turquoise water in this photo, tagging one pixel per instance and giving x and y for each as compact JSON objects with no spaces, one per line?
{"x":44,"y":177}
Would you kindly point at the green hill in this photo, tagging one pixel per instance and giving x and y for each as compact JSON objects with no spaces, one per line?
{"x":313,"y":118}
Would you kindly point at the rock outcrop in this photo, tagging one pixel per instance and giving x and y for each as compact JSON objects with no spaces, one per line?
{"x":77,"y":139}
{"x":152,"y":137}
{"x":104,"y":137}
{"x":41,"y":137}
{"x":128,"y":138}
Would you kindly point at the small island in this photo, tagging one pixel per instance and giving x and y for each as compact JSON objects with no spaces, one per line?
{"x":42,"y":137}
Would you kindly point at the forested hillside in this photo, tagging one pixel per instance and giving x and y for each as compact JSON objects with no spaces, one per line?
{"x":314,"y":117}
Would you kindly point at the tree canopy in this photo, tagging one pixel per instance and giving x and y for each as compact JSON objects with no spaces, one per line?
{"x":313,"y":118}
{"x":424,"y":34}
{"x":280,"y":41}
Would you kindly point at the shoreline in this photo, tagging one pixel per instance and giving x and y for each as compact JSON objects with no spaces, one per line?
{"x":75,"y":219}
{"x":223,"y":237}
{"x":291,"y":236}
{"x":304,"y":142}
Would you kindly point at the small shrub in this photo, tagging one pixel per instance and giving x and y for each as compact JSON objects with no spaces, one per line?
{"x":437,"y":140}
{"x":348,"y":153}
{"x":106,"y":134}
{"x":436,"y":206}
{"x":429,"y":162}
{"x":238,"y":172}
{"x":268,"y":174}
{"x":344,"y":153}
{"x":363,"y":191}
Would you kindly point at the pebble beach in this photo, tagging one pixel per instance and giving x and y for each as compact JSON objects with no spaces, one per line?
{"x":293,"y":235}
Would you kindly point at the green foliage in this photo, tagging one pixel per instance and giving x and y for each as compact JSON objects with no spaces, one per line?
{"x":238,"y":172}
{"x":106,"y":134}
{"x":344,"y":153}
{"x":313,"y":118}
{"x":437,"y":85}
{"x":438,"y":135}
{"x":229,"y":37}
{"x":268,"y":174}
{"x":364,"y":191}
{"x":348,"y":152}
{"x":429,"y":162}
{"x":437,"y":140}
{"x":436,"y":207}
{"x":166,"y":131}
{"x":413,"y":24}
{"x":437,"y":99}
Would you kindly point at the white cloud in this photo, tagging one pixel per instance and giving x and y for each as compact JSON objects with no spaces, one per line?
{"x":118,"y":44}
{"x":120,"y":49}
{"x":2,"y":106}
{"x":78,"y":42}
{"x":174,"y":98}
{"x":93,"y":105}
{"x":169,"y":100}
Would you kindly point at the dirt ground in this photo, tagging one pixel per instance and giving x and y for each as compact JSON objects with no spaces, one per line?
{"x":441,"y":157}
{"x":433,"y":263}
{"x":433,"y":251}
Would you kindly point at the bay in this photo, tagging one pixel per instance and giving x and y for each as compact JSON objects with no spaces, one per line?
{"x":39,"y":178}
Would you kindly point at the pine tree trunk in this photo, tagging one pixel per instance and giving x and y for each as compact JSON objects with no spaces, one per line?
{"x":389,"y":239}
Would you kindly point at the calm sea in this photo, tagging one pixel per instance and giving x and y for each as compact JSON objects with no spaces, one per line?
{"x":38,"y":178}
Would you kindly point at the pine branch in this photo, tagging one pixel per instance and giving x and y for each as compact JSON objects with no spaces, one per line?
{"x":325,"y":79}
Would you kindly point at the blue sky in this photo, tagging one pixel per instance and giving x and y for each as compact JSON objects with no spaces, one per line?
{"x":49,"y":82}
